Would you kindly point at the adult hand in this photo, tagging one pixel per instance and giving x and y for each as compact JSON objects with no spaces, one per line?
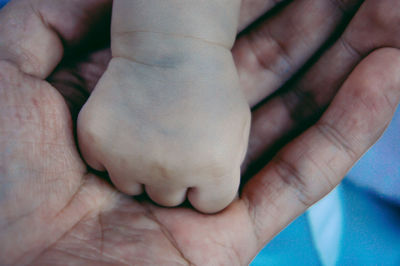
{"x":55,"y":210}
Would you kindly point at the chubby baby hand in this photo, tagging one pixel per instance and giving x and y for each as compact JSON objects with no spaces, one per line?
{"x":168,"y":118}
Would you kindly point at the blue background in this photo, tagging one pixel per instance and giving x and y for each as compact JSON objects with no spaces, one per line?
{"x":3,"y":2}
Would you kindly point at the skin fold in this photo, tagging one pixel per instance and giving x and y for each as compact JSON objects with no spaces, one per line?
{"x":55,"y":210}
{"x":169,"y":104}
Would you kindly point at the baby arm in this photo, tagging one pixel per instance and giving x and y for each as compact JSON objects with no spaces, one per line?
{"x":168,"y":114}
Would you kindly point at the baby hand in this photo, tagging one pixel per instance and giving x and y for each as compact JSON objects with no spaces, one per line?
{"x":168,"y":117}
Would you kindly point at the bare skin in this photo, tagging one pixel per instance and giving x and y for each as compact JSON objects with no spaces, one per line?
{"x":56,"y":212}
{"x":169,"y":104}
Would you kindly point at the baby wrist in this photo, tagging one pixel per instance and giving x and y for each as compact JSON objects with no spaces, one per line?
{"x":212,"y":21}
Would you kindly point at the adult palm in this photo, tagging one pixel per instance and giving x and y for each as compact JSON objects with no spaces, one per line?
{"x":54,"y":210}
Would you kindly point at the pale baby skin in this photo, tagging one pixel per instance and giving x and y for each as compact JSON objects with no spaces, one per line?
{"x":168,"y":116}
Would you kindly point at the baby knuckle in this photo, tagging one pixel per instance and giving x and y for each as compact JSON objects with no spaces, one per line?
{"x":163,"y":170}
{"x":219,"y":166}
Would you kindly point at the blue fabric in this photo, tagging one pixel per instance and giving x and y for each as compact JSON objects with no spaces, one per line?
{"x":326,"y":222}
{"x":371,"y":235}
{"x":372,"y":229}
{"x":293,"y":246}
{"x":3,"y":2}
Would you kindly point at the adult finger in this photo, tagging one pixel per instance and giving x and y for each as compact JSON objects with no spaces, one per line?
{"x":268,"y":55}
{"x":314,"y":163}
{"x":253,"y":9}
{"x":33,"y":32}
{"x":77,"y":77}
{"x":375,"y":26}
